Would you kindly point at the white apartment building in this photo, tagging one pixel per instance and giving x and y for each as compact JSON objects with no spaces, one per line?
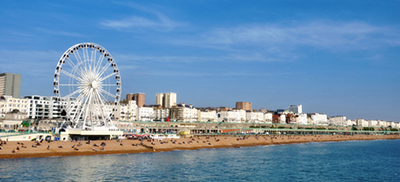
{"x":43,"y":107}
{"x":319,"y":119}
{"x":350,"y":122}
{"x":301,"y":119}
{"x":161,"y":114}
{"x":205,"y":116}
{"x":282,"y":119}
{"x":296,"y":109}
{"x":337,"y":120}
{"x":382,"y":123}
{"x":129,"y":111}
{"x":235,"y":116}
{"x":8,"y":104}
{"x":166,"y":100}
{"x":145,"y":114}
{"x":189,"y":114}
{"x":390,"y":123}
{"x":372,"y":123}
{"x":268,"y":117}
{"x":254,"y":117}
{"x":160,"y":99}
{"x":361,"y":122}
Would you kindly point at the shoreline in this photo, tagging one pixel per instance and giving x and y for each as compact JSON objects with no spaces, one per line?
{"x":68,"y":148}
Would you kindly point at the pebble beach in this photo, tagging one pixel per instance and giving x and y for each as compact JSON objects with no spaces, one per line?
{"x":29,"y":149}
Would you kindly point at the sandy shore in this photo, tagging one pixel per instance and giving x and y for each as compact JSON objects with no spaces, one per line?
{"x":68,"y":148}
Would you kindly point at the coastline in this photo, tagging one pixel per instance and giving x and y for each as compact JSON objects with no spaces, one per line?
{"x":68,"y":148}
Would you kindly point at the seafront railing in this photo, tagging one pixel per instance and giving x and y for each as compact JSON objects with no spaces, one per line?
{"x":8,"y":134}
{"x":240,"y":130}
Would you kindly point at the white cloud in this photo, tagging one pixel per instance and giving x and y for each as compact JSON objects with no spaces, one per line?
{"x":56,"y":32}
{"x":136,"y":21}
{"x":154,"y":19}
{"x":198,"y":74}
{"x":323,"y":34}
{"x":287,"y":42}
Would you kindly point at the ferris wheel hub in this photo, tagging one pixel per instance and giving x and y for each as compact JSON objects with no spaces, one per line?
{"x":95,"y":84}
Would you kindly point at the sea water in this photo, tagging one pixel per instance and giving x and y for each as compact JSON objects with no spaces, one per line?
{"x":377,"y":160}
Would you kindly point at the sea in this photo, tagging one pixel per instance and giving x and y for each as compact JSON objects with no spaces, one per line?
{"x":375,"y":160}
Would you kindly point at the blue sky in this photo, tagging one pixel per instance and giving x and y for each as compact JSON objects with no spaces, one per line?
{"x":333,"y":57}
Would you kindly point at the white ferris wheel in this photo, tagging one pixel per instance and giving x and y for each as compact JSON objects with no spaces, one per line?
{"x":87,"y":84}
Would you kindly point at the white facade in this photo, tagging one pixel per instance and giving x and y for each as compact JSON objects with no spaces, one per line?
{"x":128,"y":112}
{"x":389,"y":123}
{"x":372,"y":123}
{"x":301,"y":119}
{"x":160,"y":99}
{"x":361,"y":122}
{"x":319,"y":119}
{"x":382,"y":123}
{"x":161,"y":114}
{"x":205,"y":116}
{"x":8,"y":104}
{"x":254,"y":117}
{"x":169,"y":99}
{"x":296,"y":109}
{"x":46,"y":107}
{"x":235,"y":116}
{"x":337,"y":120}
{"x":350,"y":122}
{"x":166,"y":100}
{"x":145,"y":114}
{"x":282,"y":119}
{"x":189,"y":114}
{"x":396,"y":125}
{"x":268,"y":117}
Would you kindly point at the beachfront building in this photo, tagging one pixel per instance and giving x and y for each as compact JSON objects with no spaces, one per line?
{"x":268,"y":117}
{"x":301,"y":119}
{"x":127,"y":111}
{"x":189,"y":113}
{"x":318,"y":119}
{"x":8,"y":104}
{"x":254,"y":117}
{"x":234,"y":116}
{"x":291,"y":118}
{"x":145,"y":114}
{"x":382,"y":123}
{"x":361,"y":122}
{"x":282,"y":119}
{"x":350,"y":122}
{"x":42,"y":107}
{"x":182,"y":112}
{"x":372,"y":123}
{"x":207,"y":115}
{"x":396,"y":125}
{"x":296,"y":109}
{"x":337,"y":120}
{"x":276,"y":118}
{"x":161,"y":114}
